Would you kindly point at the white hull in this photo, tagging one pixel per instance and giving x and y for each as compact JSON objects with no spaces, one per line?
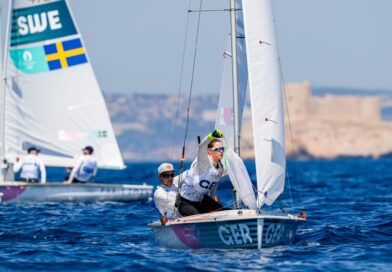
{"x":227,"y":229}
{"x":60,"y":192}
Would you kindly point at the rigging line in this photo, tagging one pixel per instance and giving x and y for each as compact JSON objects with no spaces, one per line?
{"x":285,"y":100}
{"x":290,"y":127}
{"x":188,"y":109}
{"x":291,"y":133}
{"x":180,"y":83}
{"x":177,"y":113}
{"x":191,"y":86}
{"x":292,"y":142}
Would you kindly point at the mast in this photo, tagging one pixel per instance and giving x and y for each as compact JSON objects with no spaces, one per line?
{"x":236,"y":128}
{"x":3,"y":90}
{"x":235,"y":78}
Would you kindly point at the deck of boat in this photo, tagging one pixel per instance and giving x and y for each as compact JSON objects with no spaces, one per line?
{"x":229,"y":215}
{"x":84,"y":192}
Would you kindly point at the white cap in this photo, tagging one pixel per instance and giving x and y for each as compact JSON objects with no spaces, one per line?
{"x":165,"y":167}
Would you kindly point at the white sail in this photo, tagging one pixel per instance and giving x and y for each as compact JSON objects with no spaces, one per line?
{"x":224,"y":118}
{"x":239,"y":178}
{"x":266,"y":99}
{"x":53,"y":100}
{"x":224,"y":115}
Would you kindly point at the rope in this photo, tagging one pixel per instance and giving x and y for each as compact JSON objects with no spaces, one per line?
{"x":191,"y":87}
{"x":180,"y":82}
{"x":190,"y":95}
{"x":290,"y":129}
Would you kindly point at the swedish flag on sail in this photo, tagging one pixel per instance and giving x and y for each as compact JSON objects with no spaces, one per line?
{"x":61,"y":55}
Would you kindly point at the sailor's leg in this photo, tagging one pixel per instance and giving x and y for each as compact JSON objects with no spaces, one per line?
{"x":209,"y":205}
{"x":186,"y":207}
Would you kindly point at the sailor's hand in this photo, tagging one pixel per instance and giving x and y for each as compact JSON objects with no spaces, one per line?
{"x":303,"y":215}
{"x":216,"y":134}
{"x":216,"y":198}
{"x":67,"y":182}
{"x":163,"y":220}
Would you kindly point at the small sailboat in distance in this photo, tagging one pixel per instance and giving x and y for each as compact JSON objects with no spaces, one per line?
{"x":252,"y":227}
{"x":50,"y":99}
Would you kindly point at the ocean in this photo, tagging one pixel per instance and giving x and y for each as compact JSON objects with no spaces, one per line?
{"x":348,"y":202}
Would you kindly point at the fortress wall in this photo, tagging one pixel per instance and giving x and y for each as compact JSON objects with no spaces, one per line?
{"x":356,"y":109}
{"x":333,"y":108}
{"x":298,"y":95}
{"x":371,"y":110}
{"x":345,"y":109}
{"x":329,"y":126}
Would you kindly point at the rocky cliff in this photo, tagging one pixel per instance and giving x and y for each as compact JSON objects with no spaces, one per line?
{"x":329,"y":126}
{"x":326,"y":126}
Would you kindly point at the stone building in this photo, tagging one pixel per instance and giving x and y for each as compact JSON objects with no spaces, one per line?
{"x":329,"y":126}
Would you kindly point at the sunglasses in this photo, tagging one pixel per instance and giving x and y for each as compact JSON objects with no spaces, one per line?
{"x":168,"y":175}
{"x":218,"y":149}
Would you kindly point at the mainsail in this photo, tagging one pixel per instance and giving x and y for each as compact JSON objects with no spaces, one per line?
{"x":266,"y":99}
{"x":53,"y":100}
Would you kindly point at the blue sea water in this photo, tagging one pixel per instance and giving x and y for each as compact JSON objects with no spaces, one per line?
{"x":348,"y":202}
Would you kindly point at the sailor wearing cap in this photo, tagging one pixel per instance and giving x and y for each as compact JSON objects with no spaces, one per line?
{"x":85,"y":168}
{"x":30,"y":165}
{"x":165,"y":194}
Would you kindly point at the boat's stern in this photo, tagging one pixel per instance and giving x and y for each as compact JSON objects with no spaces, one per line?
{"x":227,"y":229}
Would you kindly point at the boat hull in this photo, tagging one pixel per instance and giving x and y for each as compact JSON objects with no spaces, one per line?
{"x":249,"y":231}
{"x":60,"y":192}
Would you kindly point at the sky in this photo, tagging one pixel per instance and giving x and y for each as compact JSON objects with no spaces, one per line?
{"x":136,"y":46}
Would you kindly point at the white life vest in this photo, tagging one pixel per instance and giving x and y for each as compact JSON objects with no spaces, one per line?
{"x":195,"y":187}
{"x":165,"y":199}
{"x":30,"y":166}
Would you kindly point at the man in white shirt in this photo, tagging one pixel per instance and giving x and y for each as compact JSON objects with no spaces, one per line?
{"x":85,"y":168}
{"x":30,"y":165}
{"x":165,"y":194}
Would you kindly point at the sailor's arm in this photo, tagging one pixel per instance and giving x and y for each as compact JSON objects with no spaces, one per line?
{"x":202,"y":162}
{"x":95,"y":171}
{"x":212,"y":191}
{"x":160,"y":200}
{"x":18,"y":165}
{"x":73,"y":172}
{"x":178,"y":178}
{"x":42,"y":170}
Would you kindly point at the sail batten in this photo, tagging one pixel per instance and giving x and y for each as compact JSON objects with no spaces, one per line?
{"x":53,"y":100}
{"x":266,"y":99}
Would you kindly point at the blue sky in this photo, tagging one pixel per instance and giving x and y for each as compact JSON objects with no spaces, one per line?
{"x":136,"y":46}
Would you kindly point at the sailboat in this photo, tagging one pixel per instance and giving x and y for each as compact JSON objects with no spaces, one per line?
{"x":50,"y":99}
{"x":250,"y":227}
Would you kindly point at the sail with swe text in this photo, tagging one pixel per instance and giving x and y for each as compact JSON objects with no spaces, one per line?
{"x":53,"y":100}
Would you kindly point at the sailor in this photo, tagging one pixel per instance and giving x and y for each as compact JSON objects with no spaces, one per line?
{"x":85,"y":168}
{"x":203,"y":178}
{"x":30,"y":165}
{"x":165,"y":194}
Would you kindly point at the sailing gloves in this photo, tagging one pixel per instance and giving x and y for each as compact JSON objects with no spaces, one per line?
{"x":215,"y":134}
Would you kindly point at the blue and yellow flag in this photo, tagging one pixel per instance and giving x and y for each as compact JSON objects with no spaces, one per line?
{"x":64,"y":54}
{"x":54,"y":56}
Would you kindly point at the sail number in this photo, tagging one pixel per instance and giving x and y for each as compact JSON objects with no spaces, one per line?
{"x":236,"y":234}
{"x":274,"y":234}
{"x":36,"y":23}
